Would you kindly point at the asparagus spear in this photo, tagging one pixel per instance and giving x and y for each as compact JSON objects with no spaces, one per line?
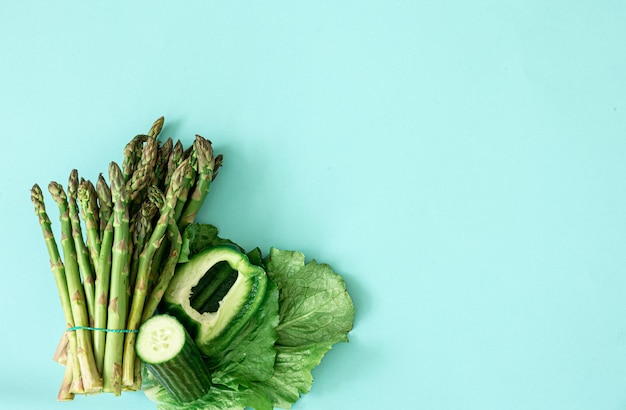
{"x":156,"y":128}
{"x":139,"y":181}
{"x":103,"y":276}
{"x":132,"y":155}
{"x":66,"y":392}
{"x":92,"y":381}
{"x":187,"y":185}
{"x":142,"y":228}
{"x":167,"y":272}
{"x":141,"y":284}
{"x":118,"y":296}
{"x":206,"y":165}
{"x":58,"y":270}
{"x":87,"y":198}
{"x":160,"y":169}
{"x":84,"y":262}
{"x":103,"y":279}
{"x":132,"y":150}
{"x":173,"y":162}
{"x":105,"y":204}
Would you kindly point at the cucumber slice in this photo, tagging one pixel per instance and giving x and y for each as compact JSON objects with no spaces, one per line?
{"x":169,"y":353}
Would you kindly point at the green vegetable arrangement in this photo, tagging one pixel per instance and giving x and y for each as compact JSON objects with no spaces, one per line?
{"x":155,"y":301}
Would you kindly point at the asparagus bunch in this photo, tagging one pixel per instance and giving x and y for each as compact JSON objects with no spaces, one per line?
{"x":120,"y":244}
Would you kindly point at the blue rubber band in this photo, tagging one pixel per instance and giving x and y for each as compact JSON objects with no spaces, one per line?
{"x":102,"y":329}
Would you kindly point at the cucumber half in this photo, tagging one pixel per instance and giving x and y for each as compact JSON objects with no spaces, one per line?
{"x":169,"y":353}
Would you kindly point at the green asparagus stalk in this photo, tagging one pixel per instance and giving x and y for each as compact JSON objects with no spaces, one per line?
{"x":189,"y":180}
{"x":118,"y":296}
{"x":160,"y":169}
{"x":65,"y":391}
{"x":141,"y":284}
{"x":83,"y":257}
{"x":205,"y":165}
{"x":88,"y":201}
{"x":138,"y":183}
{"x":105,"y":204}
{"x":174,"y":161}
{"x":103,"y":276}
{"x":167,"y":272}
{"x":103,"y":279}
{"x":92,"y":381}
{"x":142,"y":228}
{"x":132,"y":155}
{"x":58,"y":270}
{"x":156,"y":128}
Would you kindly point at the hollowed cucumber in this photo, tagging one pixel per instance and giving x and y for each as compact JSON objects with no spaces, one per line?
{"x":214,"y":295}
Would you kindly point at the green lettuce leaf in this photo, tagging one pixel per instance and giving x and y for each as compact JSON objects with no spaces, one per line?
{"x":292,"y":373}
{"x":316,"y":312}
{"x":197,"y":237}
{"x":315,"y":306}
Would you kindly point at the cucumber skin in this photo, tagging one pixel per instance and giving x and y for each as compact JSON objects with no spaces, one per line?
{"x":185,"y":376}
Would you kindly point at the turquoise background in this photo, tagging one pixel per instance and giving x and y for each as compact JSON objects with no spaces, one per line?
{"x":462,"y":164}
